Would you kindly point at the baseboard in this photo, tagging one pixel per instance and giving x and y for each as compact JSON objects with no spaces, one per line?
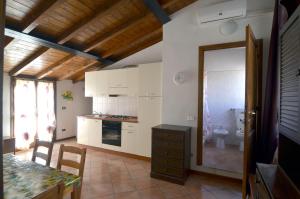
{"x":218,"y":177}
{"x":63,"y":139}
{"x":127,"y":155}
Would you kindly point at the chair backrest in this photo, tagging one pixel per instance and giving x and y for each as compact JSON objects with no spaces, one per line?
{"x":55,"y":192}
{"x":71,"y":163}
{"x":44,"y":156}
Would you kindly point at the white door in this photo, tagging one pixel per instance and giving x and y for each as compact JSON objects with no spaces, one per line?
{"x":149,"y":114}
{"x":150,"y":79}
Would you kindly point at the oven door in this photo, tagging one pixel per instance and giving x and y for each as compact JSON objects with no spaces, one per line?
{"x":111,"y":132}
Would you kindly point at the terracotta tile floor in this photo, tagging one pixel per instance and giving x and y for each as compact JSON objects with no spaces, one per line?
{"x":228,"y":159}
{"x":109,"y":176}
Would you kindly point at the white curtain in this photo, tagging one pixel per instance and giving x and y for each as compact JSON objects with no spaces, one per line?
{"x":207,"y":126}
{"x":25,"y":113}
{"x":45,"y":113}
{"x":34,"y":112}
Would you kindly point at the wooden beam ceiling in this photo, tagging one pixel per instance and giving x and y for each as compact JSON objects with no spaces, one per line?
{"x":49,"y":44}
{"x":32,"y":21}
{"x":139,"y":44}
{"x":119,"y":30}
{"x":157,"y":10}
{"x":78,"y":28}
{"x":84,"y":23}
{"x":20,"y":67}
{"x":123,"y":28}
{"x":71,"y":32}
{"x":81,"y":69}
{"x":54,"y":66}
{"x":121,"y":49}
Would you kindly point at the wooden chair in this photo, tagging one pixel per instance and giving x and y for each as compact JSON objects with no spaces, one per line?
{"x":36,"y":154}
{"x":54,"y":193}
{"x":71,"y":163}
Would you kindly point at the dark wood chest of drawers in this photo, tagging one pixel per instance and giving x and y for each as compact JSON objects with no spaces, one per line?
{"x":272,"y":183}
{"x":8,"y":145}
{"x":171,"y":151}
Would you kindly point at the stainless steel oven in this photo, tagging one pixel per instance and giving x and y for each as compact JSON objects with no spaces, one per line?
{"x":111,"y":132}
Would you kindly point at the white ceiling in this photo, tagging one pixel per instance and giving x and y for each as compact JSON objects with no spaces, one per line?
{"x":154,"y":53}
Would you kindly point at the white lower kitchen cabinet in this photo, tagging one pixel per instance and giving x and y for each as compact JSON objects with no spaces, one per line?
{"x":149,"y":115}
{"x":82,"y":129}
{"x":130,"y":138}
{"x":95,"y":134}
{"x":89,"y":131}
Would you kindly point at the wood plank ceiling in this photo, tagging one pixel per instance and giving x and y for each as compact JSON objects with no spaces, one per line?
{"x":62,"y":39}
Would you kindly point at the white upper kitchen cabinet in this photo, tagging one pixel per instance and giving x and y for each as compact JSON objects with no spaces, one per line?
{"x":132,"y":75}
{"x":150,"y":79}
{"x":96,"y":83}
{"x":117,"y":78}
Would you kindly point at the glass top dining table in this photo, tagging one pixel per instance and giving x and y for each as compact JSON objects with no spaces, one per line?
{"x":25,"y":179}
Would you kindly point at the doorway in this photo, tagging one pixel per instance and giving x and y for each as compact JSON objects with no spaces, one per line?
{"x":34,"y":111}
{"x":250,"y":115}
{"x":223,"y":109}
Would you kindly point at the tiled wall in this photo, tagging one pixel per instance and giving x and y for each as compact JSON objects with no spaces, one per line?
{"x":122,"y":105}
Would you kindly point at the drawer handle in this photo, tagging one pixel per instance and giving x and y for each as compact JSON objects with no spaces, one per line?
{"x":130,"y":132}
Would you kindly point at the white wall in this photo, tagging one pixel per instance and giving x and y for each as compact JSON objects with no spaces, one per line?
{"x":225,"y":92}
{"x":6,"y":104}
{"x":181,"y":39}
{"x":66,"y":119}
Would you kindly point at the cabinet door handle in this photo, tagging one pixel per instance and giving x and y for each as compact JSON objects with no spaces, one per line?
{"x":130,"y":132}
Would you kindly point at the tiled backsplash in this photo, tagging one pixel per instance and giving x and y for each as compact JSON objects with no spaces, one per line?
{"x":122,"y":105}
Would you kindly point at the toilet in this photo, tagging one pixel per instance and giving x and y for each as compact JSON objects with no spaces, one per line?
{"x":240,"y":124}
{"x":220,"y":134}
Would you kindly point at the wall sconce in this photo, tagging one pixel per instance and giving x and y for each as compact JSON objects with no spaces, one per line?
{"x":228,"y":27}
{"x":179,"y":78}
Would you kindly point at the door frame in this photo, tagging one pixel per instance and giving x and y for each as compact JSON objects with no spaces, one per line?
{"x":202,"y":50}
{"x":221,"y":46}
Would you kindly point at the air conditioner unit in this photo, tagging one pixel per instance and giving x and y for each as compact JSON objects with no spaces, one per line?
{"x":222,"y":11}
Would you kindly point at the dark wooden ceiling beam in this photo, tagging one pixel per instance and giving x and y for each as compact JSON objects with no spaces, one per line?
{"x":54,"y":67}
{"x":22,"y":66}
{"x":84,"y":23}
{"x":7,"y":40}
{"x":157,"y":10}
{"x":32,"y":20}
{"x":49,"y":44}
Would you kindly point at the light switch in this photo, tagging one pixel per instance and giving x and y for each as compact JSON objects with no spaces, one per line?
{"x":190,"y":118}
